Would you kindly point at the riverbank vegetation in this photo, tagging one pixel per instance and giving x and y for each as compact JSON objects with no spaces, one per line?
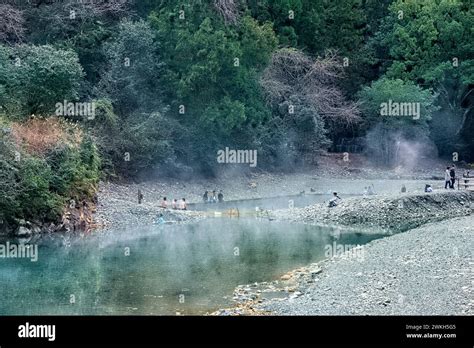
{"x":167,"y":84}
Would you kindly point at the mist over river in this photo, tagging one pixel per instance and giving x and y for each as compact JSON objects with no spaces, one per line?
{"x":159,"y":270}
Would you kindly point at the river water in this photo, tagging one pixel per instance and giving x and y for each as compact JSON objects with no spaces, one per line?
{"x":159,"y":270}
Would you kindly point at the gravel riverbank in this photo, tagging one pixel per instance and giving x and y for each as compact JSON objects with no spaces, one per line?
{"x":394,"y":213}
{"x":117,"y":203}
{"x":427,"y":270}
{"x":424,"y":271}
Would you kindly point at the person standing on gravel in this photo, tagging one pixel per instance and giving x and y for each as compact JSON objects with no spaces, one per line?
{"x":371,"y":190}
{"x":447,"y":178}
{"x":452,"y":174}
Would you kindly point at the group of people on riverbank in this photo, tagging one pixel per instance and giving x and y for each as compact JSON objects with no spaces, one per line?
{"x":175,"y":204}
{"x":450,"y":177}
{"x":165,"y":204}
{"x":212,"y":197}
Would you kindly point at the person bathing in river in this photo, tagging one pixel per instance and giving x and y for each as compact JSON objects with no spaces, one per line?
{"x":333,"y":201}
{"x":164,"y":203}
{"x":160,"y":220}
{"x":220,"y":197}
{"x":182,"y":205}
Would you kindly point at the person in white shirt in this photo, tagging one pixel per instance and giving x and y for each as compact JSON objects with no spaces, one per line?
{"x":447,"y":178}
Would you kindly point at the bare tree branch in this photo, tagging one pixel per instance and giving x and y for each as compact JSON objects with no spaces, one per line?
{"x":11,"y":24}
{"x":228,"y":9}
{"x":291,"y":72}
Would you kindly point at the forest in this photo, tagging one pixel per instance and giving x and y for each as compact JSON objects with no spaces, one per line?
{"x":94,"y":89}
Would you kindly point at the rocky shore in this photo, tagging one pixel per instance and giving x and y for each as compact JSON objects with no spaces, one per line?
{"x":426,"y":270}
{"x":393,"y":213}
{"x":117,"y":203}
{"x":75,"y":217}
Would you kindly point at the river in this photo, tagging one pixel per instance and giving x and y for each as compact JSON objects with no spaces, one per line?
{"x":189,"y":269}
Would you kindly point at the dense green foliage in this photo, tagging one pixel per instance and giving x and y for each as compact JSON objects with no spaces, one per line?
{"x":175,"y":81}
{"x":34,"y":78}
{"x":36,"y":187}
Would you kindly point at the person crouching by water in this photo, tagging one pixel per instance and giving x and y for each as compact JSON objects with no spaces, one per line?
{"x":428,"y":188}
{"x":182,"y":205}
{"x":213,"y":197}
{"x":220,"y":197}
{"x":160,"y":220}
{"x":205,"y":197}
{"x":174,"y":205}
{"x":164,"y":203}
{"x":333,"y":201}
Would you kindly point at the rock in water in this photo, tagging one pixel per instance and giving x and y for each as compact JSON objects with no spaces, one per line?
{"x":23,"y":231}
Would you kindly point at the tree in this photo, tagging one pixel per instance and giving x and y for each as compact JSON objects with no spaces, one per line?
{"x":12,"y":27}
{"x":37,"y":77}
{"x":291,"y":72}
{"x":428,"y":42}
{"x":211,"y":75}
{"x":63,"y":20}
{"x":228,"y":9}
{"x":386,"y":131}
{"x":303,"y":94}
{"x":9,"y":184}
{"x":132,"y":80}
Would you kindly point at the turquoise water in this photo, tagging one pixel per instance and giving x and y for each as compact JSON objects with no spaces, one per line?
{"x":281,"y":202}
{"x":190,"y":269}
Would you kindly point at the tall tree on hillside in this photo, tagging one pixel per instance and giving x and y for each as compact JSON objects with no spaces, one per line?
{"x":35,"y":78}
{"x":12,"y":24}
{"x":304,"y":95}
{"x":212,"y":76}
{"x":430,"y":42}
